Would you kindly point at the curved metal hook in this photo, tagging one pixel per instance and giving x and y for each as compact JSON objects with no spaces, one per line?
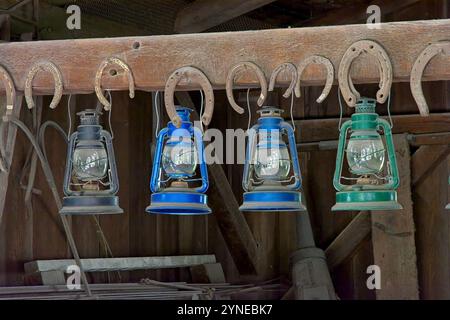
{"x":9,"y":89}
{"x":273,"y":77}
{"x":346,"y":86}
{"x":98,"y":79}
{"x":417,"y":71}
{"x":191,"y":75}
{"x":315,"y":59}
{"x":230,"y":80}
{"x":57,"y":77}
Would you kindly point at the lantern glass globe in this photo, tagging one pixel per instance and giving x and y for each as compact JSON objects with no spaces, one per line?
{"x":272,"y":163}
{"x":180,"y":158}
{"x":365,"y":152}
{"x":90,"y":161}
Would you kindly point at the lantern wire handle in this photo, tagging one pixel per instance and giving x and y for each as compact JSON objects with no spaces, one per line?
{"x":69,"y":115}
{"x":249,"y":110}
{"x":340,"y":109}
{"x":109,"y":114}
{"x":201,"y":110}
{"x":389,"y":110}
{"x":157,"y":114}
{"x":292,"y":114}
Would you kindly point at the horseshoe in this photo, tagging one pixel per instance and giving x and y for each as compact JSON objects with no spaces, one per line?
{"x":191,"y":75}
{"x":10,"y":90}
{"x":284,"y":66}
{"x":346,"y":86}
{"x":98,"y":79}
{"x":230,"y":79}
{"x":417,"y":71}
{"x":330,"y":75}
{"x":57,"y":77}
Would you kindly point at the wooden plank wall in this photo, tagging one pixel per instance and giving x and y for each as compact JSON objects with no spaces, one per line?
{"x":137,"y":234}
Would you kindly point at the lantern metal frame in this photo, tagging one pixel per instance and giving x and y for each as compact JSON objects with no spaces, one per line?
{"x":269,"y":198}
{"x":91,"y":202}
{"x":179,"y":200}
{"x":366,"y":196}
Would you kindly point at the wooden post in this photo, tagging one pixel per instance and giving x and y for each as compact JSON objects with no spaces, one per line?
{"x":393,"y":240}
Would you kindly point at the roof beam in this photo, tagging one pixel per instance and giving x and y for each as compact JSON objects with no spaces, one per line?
{"x":153,"y":58}
{"x":202,"y":15}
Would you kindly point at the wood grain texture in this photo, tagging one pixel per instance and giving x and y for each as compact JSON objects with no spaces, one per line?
{"x":152,"y":59}
{"x":393,"y":239}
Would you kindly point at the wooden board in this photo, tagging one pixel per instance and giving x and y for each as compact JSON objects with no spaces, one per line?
{"x":152,"y":59}
{"x":393,"y":240}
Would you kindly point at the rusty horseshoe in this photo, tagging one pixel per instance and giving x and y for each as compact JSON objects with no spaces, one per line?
{"x":417,"y":71}
{"x":241,"y":66}
{"x":98,"y":79}
{"x":190,"y":75}
{"x":315,"y":59}
{"x":282,"y":67}
{"x":346,"y":86}
{"x":57,"y":77}
{"x":9,"y":89}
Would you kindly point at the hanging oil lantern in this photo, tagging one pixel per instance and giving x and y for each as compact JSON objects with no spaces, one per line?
{"x":374,"y":175}
{"x":90,"y":182}
{"x":179,"y":152}
{"x":272,"y":177}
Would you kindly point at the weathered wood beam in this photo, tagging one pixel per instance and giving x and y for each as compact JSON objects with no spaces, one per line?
{"x":327,"y":129}
{"x":426,"y":159}
{"x":393,"y":237}
{"x":10,"y":143}
{"x":152,"y":59}
{"x":356,"y":13}
{"x":205,"y":14}
{"x":349,"y":239}
{"x":232,"y":223}
{"x":121,"y":264}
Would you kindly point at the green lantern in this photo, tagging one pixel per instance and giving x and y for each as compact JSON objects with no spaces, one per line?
{"x":374,"y":169}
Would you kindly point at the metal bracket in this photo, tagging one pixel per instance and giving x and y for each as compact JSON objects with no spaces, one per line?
{"x":282,"y":67}
{"x":57,"y":77}
{"x":346,"y":86}
{"x":243,"y":66}
{"x":417,"y":71}
{"x":315,"y":59}
{"x":10,"y":90}
{"x":191,"y":75}
{"x":98,"y":78}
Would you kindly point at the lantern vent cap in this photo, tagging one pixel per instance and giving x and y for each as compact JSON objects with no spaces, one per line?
{"x":366,"y":105}
{"x":89,"y":117}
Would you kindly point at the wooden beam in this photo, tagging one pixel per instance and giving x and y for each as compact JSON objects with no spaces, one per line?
{"x":393,"y":241}
{"x":121,"y":264}
{"x":10,"y":143}
{"x":356,"y":13}
{"x":426,"y":159}
{"x":205,"y":14}
{"x":152,"y":59}
{"x":327,"y":129}
{"x":349,"y":239}
{"x":232,"y":223}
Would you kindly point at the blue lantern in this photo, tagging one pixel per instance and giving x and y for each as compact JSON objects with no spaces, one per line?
{"x":90,"y":182}
{"x":272,"y":177}
{"x":178,"y":153}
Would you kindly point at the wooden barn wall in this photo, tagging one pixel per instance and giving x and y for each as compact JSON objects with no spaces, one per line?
{"x":38,"y":235}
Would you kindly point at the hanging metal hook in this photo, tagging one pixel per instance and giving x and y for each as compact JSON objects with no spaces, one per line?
{"x":190,"y":75}
{"x":57,"y":77}
{"x":241,"y":66}
{"x":98,"y":79}
{"x":346,"y":86}
{"x":315,"y":59}
{"x":9,"y":89}
{"x":287,"y":66}
{"x":417,"y":71}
